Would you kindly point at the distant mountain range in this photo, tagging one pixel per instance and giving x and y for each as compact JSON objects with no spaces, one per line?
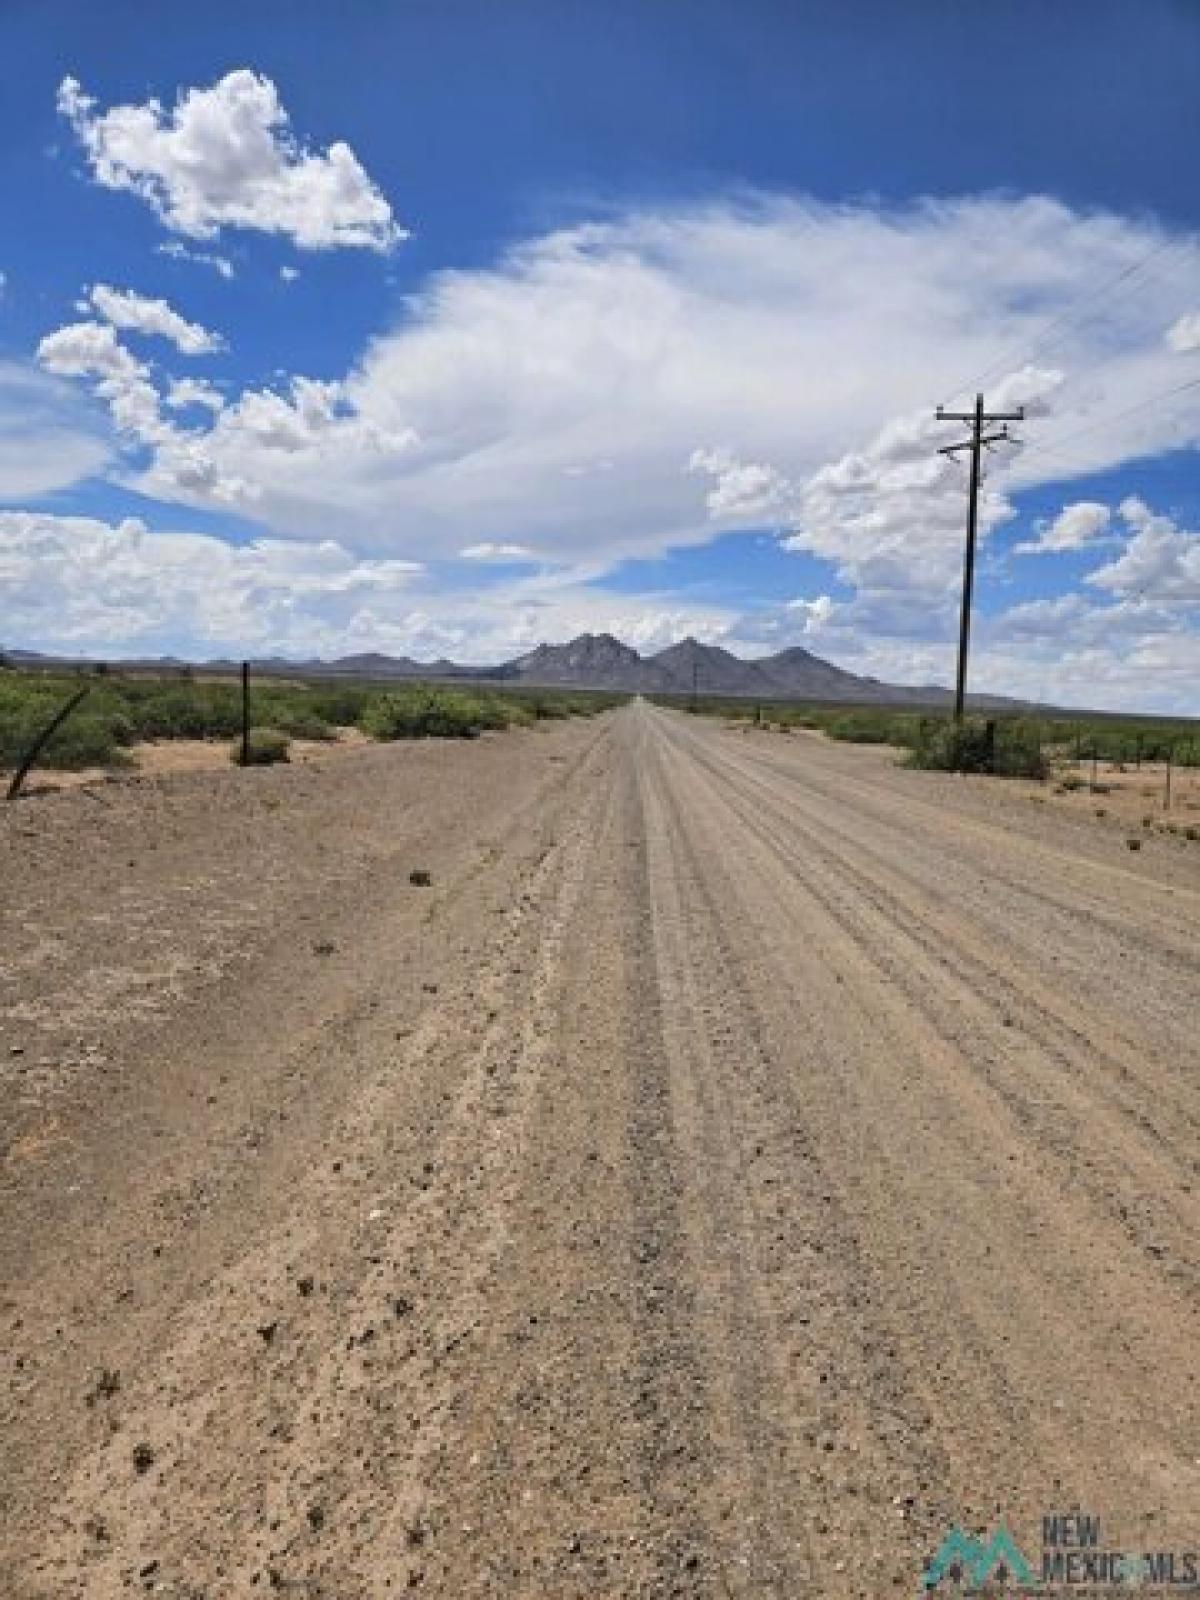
{"x":599,"y":661}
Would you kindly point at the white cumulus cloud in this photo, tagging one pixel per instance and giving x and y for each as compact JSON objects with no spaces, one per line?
{"x":890,"y":518}
{"x":78,"y":582}
{"x":1160,"y":562}
{"x":138,"y":313}
{"x":92,"y":350}
{"x":786,"y":332}
{"x":225,"y":157}
{"x":187,"y":392}
{"x":740,"y":489}
{"x":1075,"y":526}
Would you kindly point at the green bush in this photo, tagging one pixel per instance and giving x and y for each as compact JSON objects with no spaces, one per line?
{"x":1007,"y":749}
{"x":546,"y":706}
{"x":184,"y":711}
{"x":122,"y":709}
{"x":264,"y":748}
{"x":84,"y":740}
{"x":868,"y":727}
{"x":430,"y":713}
{"x":300,"y":723}
{"x":338,"y":704}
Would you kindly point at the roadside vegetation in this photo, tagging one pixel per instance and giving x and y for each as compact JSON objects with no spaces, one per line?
{"x":1025,"y":745}
{"x":265,"y":747}
{"x":126,"y":709}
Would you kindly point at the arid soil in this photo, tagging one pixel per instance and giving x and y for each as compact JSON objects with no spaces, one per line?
{"x":1147,"y":795}
{"x":742,"y":1160}
{"x":161,"y":757}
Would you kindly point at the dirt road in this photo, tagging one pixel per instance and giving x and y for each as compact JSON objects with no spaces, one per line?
{"x":744,"y":1161}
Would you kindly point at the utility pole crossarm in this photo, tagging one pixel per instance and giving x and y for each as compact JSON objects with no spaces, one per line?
{"x":991,"y":416}
{"x":1003,"y":437}
{"x":977,"y":420}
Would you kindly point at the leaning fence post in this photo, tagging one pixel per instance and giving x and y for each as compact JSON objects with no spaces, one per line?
{"x":44,"y":738}
{"x":1167,"y":787}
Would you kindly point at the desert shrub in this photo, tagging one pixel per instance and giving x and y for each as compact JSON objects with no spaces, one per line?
{"x":89,"y":741}
{"x":339,"y":704}
{"x":184,"y":711}
{"x":546,"y":706}
{"x":865,"y":727}
{"x":265,"y":747}
{"x":430,"y":713}
{"x":17,"y":732}
{"x":300,"y":722}
{"x":1008,"y":749}
{"x":84,"y":740}
{"x":122,"y":709}
{"x":1018,"y":750}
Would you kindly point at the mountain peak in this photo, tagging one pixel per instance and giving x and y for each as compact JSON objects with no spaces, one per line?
{"x":602,"y":661}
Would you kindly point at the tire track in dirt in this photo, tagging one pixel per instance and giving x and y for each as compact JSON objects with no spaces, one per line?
{"x":1109,"y":896}
{"x":1154,"y":1335}
{"x":207,"y":1403}
{"x":977,"y":981}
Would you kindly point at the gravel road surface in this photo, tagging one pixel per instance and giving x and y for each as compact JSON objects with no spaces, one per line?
{"x":741,"y":1161}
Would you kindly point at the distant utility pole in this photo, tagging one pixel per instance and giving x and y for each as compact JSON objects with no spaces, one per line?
{"x":979,"y":420}
{"x":245,"y":713}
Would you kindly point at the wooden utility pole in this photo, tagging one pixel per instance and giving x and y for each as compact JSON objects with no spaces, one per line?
{"x":245,"y":713}
{"x":979,"y":420}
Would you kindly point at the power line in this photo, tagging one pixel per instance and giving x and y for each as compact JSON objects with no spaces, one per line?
{"x":1053,"y":445}
{"x":979,"y":420}
{"x":1018,"y":355}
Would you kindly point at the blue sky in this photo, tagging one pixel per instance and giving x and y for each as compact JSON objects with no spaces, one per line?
{"x":445,"y":328}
